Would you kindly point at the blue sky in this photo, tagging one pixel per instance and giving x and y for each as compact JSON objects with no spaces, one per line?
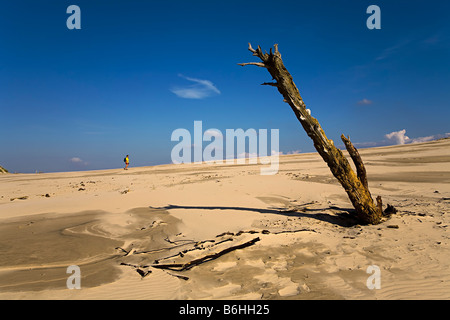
{"x":137,"y":70}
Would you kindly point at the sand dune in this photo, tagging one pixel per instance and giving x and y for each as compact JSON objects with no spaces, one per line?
{"x":117,"y":226}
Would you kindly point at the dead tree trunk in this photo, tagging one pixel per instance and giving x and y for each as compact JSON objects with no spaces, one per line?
{"x":355,"y":185}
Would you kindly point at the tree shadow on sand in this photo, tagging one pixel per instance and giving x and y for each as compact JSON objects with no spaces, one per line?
{"x":344,"y":217}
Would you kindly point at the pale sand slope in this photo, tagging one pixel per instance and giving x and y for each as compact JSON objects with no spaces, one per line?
{"x":136,"y":216}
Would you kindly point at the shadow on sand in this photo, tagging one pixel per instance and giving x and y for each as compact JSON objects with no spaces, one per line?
{"x":343,"y":217}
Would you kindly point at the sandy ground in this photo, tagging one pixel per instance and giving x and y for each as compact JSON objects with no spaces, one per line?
{"x":117,"y":226}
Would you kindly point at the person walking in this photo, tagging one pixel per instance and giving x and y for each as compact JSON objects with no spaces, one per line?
{"x":127,"y":162}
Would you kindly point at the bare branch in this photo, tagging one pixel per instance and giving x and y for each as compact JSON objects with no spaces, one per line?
{"x":276,"y":48}
{"x":260,"y":54}
{"x":273,"y":84}
{"x":354,"y":154}
{"x":250,"y":48}
{"x":259,"y":64}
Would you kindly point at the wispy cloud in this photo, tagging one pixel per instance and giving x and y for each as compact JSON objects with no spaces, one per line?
{"x":199,"y":89}
{"x":364,"y":102}
{"x":396,"y":49}
{"x":398,"y":138}
{"x":434,"y":39}
{"x":294,"y":152}
{"x":392,"y":50}
{"x":78,"y":161}
{"x":439,"y":37}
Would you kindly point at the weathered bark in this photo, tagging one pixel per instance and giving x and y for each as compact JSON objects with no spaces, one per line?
{"x":356,"y":186}
{"x":354,"y":154}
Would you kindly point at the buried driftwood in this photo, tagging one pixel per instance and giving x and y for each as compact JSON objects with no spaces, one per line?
{"x":198,"y":245}
{"x":209,"y":257}
{"x":354,"y":184}
{"x":143,"y":269}
{"x":19,"y":198}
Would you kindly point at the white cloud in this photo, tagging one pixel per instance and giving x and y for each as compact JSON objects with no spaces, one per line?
{"x":247,"y":155}
{"x":364,"y":102}
{"x":399,"y":137}
{"x":200,"y":89}
{"x":276,"y":153}
{"x":294,"y":152}
{"x":423,"y":139}
{"x":78,"y":161}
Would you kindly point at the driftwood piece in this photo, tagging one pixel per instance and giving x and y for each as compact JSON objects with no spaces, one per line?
{"x":138,"y":269}
{"x":178,"y":276}
{"x":295,"y":231}
{"x":354,"y":185}
{"x":196,"y":262}
{"x":19,"y":198}
{"x":143,"y":273}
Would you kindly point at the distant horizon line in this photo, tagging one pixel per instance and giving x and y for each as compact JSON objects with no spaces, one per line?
{"x":213,"y":162}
